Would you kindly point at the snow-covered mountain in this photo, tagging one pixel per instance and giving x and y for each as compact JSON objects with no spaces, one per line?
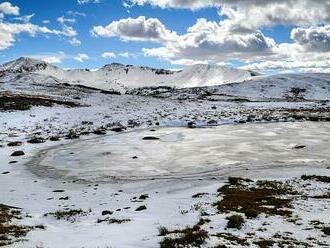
{"x":124,"y":77}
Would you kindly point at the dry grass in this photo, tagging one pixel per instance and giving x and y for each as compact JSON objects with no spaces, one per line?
{"x":10,"y":232}
{"x":187,"y":237}
{"x":266,"y":197}
{"x":21,"y":102}
{"x":323,"y":179}
{"x":68,"y":215}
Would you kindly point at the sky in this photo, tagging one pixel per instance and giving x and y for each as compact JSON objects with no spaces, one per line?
{"x":267,"y":36}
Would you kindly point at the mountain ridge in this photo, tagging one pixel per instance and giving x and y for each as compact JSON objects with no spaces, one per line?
{"x":122,"y":77}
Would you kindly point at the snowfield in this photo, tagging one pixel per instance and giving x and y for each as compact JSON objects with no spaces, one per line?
{"x":241,"y":164}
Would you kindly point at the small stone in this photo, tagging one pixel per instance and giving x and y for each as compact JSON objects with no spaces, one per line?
{"x":15,"y":143}
{"x":299,"y":147}
{"x":36,"y":140}
{"x":54,"y":138}
{"x":150,"y":138}
{"x":144,"y":196}
{"x":100,"y":132}
{"x":107,"y":212}
{"x":141,"y":208}
{"x":17,"y":153}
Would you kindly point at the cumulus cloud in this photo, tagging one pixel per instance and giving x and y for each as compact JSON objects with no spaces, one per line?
{"x":237,"y":35}
{"x":251,"y":14}
{"x":7,"y":8}
{"x":81,"y":57}
{"x":211,"y":41}
{"x":188,"y":4}
{"x":313,"y":38}
{"x":8,"y":31}
{"x":108,"y":55}
{"x":52,"y":59}
{"x":75,"y":41}
{"x":139,"y":29}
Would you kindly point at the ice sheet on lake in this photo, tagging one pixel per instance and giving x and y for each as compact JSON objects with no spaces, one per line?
{"x":188,"y":153}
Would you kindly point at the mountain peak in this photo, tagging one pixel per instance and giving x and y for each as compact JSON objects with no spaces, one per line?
{"x":113,"y":66}
{"x":25,"y":64}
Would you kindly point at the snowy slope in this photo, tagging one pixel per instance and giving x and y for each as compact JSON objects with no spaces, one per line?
{"x":283,"y":87}
{"x":124,"y":77}
{"x":309,"y":86}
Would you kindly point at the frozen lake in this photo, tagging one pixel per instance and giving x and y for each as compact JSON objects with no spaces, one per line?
{"x":185,"y":153}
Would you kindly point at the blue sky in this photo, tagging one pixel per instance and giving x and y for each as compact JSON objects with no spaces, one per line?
{"x":255,"y":43}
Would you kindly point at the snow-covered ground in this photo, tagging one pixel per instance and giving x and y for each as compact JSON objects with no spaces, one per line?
{"x":49,"y":178}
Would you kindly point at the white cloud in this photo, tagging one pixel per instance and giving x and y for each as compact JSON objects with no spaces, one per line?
{"x":64,"y":20}
{"x":8,"y":9}
{"x":251,"y":14}
{"x":211,"y":41}
{"x":238,"y":35}
{"x":139,"y":29}
{"x":313,"y":38}
{"x":87,"y":1}
{"x":66,"y":31}
{"x":126,"y":55}
{"x":25,"y":19}
{"x":108,"y":55}
{"x":8,"y":31}
{"x":75,"y":41}
{"x":186,"y":4}
{"x":81,"y":57}
{"x":75,"y":13}
{"x":52,"y":59}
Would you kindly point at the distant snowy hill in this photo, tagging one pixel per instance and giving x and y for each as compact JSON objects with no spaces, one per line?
{"x":282,"y":87}
{"x":124,"y":77}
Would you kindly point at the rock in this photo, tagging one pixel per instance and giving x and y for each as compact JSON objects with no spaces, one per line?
{"x":117,"y":129}
{"x":72,"y":135}
{"x":107,"y":212}
{"x":15,"y":143}
{"x":54,"y":138}
{"x":141,"y":208}
{"x":191,"y":124}
{"x":87,"y":123}
{"x":212,"y":123}
{"x":17,"y":153}
{"x":299,"y":147}
{"x":144,"y":196}
{"x":150,"y":138}
{"x":100,"y":132}
{"x":36,"y":140}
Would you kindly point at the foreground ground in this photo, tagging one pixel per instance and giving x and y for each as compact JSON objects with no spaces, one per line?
{"x":270,"y":207}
